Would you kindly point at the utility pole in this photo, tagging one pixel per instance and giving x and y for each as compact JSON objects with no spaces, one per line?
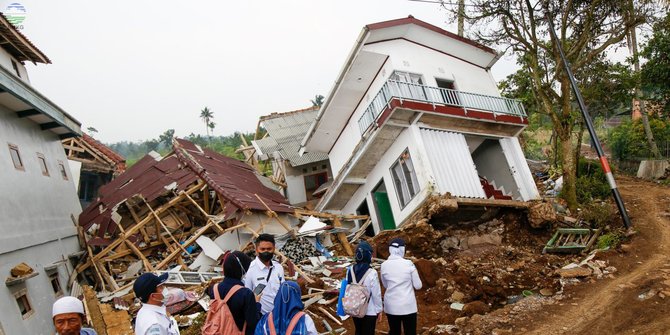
{"x":589,"y":123}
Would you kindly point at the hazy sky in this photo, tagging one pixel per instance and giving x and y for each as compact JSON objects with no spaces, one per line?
{"x":133,"y":69}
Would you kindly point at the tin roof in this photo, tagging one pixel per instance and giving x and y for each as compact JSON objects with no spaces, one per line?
{"x":286,"y":131}
{"x":154,"y":176}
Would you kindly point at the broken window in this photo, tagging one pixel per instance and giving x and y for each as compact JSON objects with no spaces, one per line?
{"x":313,"y":181}
{"x":404,"y":179}
{"x":408,"y":85}
{"x":61,"y":168}
{"x":43,"y":164}
{"x":55,"y":284}
{"x":23,"y":303}
{"x":16,"y":157}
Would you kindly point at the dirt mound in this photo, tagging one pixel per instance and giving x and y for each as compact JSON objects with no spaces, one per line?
{"x":421,"y":239}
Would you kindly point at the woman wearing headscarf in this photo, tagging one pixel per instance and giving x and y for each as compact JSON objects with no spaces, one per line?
{"x":400,"y":278}
{"x":366,"y":324}
{"x":243,"y":304}
{"x":287,"y":317}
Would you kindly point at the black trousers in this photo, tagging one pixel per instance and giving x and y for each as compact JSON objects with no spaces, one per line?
{"x":408,"y":323}
{"x":365,"y":325}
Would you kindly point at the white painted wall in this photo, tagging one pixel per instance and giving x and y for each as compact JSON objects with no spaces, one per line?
{"x":295,"y":179}
{"x":409,"y":57}
{"x":406,"y":139}
{"x":6,"y":62}
{"x":35,"y":221}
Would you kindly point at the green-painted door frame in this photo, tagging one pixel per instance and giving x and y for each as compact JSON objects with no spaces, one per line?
{"x":384,"y":210}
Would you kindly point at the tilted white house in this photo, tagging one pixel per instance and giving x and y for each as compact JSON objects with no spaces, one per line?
{"x":416,"y":111}
{"x":37,"y":195}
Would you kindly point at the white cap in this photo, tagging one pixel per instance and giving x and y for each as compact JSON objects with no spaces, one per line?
{"x":67,"y":305}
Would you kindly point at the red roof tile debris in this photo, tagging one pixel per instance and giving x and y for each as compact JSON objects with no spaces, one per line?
{"x":108,"y":152}
{"x":151,"y":177}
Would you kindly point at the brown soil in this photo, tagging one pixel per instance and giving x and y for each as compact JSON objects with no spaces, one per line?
{"x":636,"y":300}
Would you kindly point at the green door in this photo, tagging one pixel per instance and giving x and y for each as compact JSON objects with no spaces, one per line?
{"x":384,"y":208}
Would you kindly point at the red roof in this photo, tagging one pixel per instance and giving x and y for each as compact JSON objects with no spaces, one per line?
{"x":412,"y":20}
{"x":235,"y":181}
{"x":109,"y":153}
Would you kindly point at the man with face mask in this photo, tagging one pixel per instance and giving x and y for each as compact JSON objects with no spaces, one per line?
{"x":265,"y":271}
{"x":152,"y":318}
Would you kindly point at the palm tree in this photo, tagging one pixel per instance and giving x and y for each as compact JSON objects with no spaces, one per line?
{"x":211,"y":126}
{"x":206,"y":115}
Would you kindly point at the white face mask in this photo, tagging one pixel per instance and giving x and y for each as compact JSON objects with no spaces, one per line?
{"x":166,"y":295}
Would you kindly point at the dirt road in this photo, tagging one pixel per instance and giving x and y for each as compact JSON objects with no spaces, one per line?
{"x":637,"y":300}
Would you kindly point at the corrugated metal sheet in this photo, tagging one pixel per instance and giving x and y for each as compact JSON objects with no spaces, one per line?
{"x":453,"y":167}
{"x":288,"y":130}
{"x":153,"y":177}
{"x":519,"y":167}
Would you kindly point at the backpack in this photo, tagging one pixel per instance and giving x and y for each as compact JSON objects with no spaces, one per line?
{"x":289,"y":329}
{"x":356,"y":296}
{"x":219,"y":320}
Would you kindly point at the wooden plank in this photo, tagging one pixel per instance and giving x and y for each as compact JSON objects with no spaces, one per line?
{"x":164,"y":227}
{"x":131,"y":245}
{"x":274,"y":214}
{"x":137,"y":227}
{"x":343,"y":237}
{"x":217,"y":227}
{"x":491,"y":203}
{"x":187,"y":243}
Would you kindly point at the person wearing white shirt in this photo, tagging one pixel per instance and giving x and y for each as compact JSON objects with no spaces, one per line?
{"x":265,"y":271}
{"x":400,"y":278}
{"x":367,"y":277}
{"x":152,"y":318}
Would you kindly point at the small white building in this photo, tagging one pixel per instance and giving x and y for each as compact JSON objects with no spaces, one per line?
{"x":37,"y":196}
{"x":302,"y":178}
{"x":415,"y":111}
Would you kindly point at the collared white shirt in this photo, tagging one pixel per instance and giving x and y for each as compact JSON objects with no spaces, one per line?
{"x":257,"y":274}
{"x":400,"y":278}
{"x":371,"y":282}
{"x":153,"y":320}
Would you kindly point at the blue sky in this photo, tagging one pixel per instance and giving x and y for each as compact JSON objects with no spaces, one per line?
{"x":134,"y":69}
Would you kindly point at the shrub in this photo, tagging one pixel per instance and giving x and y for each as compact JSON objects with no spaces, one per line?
{"x":611,"y":240}
{"x":591,"y":182}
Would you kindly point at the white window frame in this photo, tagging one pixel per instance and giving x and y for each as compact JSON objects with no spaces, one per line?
{"x":404,"y":179}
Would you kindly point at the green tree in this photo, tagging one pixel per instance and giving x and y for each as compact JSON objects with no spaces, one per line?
{"x":166,"y":138}
{"x":318,"y":100}
{"x":655,"y":73}
{"x":91,"y":131}
{"x":586,"y":30}
{"x":206,"y":115}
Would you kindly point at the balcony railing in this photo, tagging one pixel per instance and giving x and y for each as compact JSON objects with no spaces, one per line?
{"x":435,"y":95}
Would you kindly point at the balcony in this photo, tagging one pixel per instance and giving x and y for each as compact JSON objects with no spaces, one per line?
{"x":437,"y":96}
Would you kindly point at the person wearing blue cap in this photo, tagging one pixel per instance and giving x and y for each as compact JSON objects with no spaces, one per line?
{"x":287,"y":316}
{"x":400,"y":278}
{"x":152,"y":318}
{"x":367,"y":277}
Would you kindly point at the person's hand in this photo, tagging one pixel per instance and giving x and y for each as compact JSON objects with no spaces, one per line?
{"x":258,"y":297}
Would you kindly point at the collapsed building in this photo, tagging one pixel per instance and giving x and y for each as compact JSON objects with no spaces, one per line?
{"x":93,"y":164}
{"x":415,"y":111}
{"x":303,"y":178}
{"x":170,"y":202}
